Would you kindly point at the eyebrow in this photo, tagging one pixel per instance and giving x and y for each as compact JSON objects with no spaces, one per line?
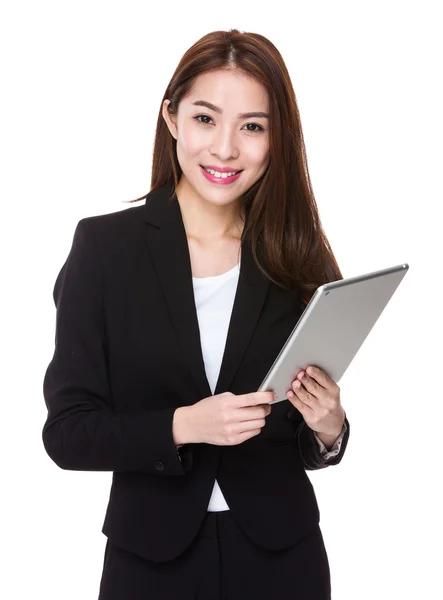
{"x":248,"y":115}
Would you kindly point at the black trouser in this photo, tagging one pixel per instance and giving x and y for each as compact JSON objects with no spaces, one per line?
{"x":221,"y":564}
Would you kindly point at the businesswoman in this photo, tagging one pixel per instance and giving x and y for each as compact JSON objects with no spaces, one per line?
{"x":169,"y":315}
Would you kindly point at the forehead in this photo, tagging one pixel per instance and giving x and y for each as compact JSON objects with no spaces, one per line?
{"x":227,"y":90}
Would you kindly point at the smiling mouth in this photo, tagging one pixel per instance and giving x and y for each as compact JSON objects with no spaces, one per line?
{"x":221,"y":172}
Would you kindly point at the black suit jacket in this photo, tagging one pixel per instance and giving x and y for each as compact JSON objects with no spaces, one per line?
{"x":128,"y":354}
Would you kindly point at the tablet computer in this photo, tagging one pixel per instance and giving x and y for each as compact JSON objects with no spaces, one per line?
{"x":333,"y":327}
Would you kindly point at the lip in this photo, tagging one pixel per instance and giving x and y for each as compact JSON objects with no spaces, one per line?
{"x":220,"y":180}
{"x":220,"y":169}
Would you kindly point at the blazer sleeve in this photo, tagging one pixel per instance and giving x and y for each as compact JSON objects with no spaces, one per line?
{"x":335,"y":448}
{"x":310,"y":452}
{"x":82,"y":431}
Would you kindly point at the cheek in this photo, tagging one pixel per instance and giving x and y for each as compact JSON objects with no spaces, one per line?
{"x":259,"y":155}
{"x":191,"y":141}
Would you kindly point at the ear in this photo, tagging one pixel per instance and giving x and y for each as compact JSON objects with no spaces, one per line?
{"x":170,"y":119}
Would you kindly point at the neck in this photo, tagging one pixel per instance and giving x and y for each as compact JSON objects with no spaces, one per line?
{"x":207,"y":221}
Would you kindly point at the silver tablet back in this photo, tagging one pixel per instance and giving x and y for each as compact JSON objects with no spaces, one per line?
{"x":333,"y":327}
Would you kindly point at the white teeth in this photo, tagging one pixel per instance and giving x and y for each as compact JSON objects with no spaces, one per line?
{"x":221,"y":175}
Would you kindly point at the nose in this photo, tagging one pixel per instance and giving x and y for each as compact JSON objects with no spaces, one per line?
{"x":224,"y":144}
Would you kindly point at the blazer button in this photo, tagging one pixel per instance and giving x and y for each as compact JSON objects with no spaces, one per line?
{"x":159,"y":465}
{"x":290,"y":414}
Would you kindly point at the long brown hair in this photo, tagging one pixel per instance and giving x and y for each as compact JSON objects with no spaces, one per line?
{"x":281,"y":214}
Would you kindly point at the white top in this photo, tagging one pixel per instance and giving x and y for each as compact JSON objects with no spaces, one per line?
{"x":214,"y":299}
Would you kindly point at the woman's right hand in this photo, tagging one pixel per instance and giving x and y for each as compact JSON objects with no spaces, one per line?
{"x":228,"y":419}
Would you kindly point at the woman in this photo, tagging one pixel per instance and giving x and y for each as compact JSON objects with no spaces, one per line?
{"x":170,"y":314}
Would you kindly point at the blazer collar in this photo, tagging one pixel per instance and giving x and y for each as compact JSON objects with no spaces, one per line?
{"x":168,"y":247}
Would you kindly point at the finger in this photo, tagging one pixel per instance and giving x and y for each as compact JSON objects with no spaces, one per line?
{"x":303,"y":394}
{"x":260,"y":398}
{"x":310,"y":384}
{"x":297,"y":396}
{"x":303,"y":408}
{"x":324,"y":397}
{"x":321,"y":377}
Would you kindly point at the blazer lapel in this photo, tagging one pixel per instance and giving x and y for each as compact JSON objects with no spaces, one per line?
{"x":248,"y":303}
{"x":168,"y":247}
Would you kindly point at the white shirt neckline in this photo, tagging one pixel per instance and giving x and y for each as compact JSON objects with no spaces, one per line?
{"x":214,"y":277}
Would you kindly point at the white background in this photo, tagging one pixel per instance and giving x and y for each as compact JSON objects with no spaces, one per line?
{"x":81,"y":88}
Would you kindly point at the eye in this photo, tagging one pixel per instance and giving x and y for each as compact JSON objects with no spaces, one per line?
{"x":202,"y":117}
{"x":260,"y":128}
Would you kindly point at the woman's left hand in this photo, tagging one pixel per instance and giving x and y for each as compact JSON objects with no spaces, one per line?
{"x":318,"y":400}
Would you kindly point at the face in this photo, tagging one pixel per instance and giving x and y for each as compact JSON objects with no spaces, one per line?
{"x":218,"y":137}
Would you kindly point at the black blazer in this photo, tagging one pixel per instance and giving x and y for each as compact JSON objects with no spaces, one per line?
{"x":128,"y":354}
